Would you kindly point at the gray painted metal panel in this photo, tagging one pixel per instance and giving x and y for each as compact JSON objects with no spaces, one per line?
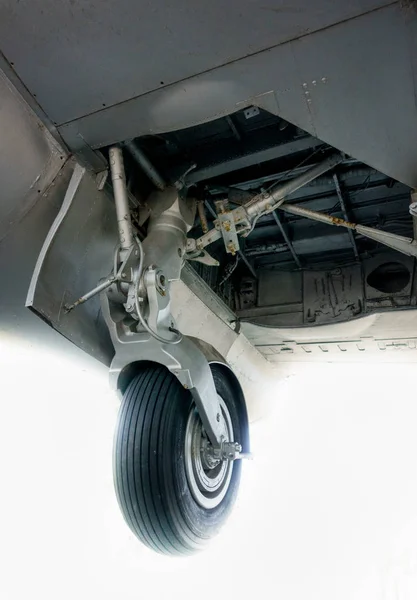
{"x":363,"y":101}
{"x":77,"y":253}
{"x":18,"y":253}
{"x":30,"y":160}
{"x":29,"y":157}
{"x":80,"y":56}
{"x":199,"y":99}
{"x":332,"y":295}
{"x":285,"y":289}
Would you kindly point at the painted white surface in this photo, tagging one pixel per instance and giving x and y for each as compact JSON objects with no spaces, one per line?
{"x":254,"y":372}
{"x":385,"y":338}
{"x":328,"y":508}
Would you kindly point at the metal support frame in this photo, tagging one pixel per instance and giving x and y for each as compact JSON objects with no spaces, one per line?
{"x":256,"y":156}
{"x":203,"y":256}
{"x":246,"y":216}
{"x":143,"y":161}
{"x":202,"y":215}
{"x":345,"y":214}
{"x":248,"y":264}
{"x":287,"y":239}
{"x":233,"y":128}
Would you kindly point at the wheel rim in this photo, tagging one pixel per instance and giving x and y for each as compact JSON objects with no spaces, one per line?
{"x":208,"y":478}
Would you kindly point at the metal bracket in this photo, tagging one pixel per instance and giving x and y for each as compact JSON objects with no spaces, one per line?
{"x":202,"y":256}
{"x":250,"y":112}
{"x":226,"y":223}
{"x":123,"y":273}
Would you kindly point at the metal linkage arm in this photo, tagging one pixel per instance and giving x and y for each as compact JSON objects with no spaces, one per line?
{"x":397,"y":242}
{"x":267,"y":201}
{"x":142,"y":160}
{"x":242,"y":219}
{"x":120,"y":197}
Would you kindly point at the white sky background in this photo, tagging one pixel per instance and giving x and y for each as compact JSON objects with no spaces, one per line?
{"x":327,"y":510}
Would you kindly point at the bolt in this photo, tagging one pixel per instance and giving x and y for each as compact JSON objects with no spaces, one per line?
{"x":226,"y":225}
{"x":309,"y":100}
{"x":231,"y":247}
{"x":324,"y":79}
{"x":304,"y":85}
{"x":123,"y":275}
{"x":314,"y":82}
{"x":136,"y":252}
{"x":162,"y":279}
{"x":218,"y":417}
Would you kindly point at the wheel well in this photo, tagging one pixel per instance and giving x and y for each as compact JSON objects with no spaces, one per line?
{"x":132,"y":369}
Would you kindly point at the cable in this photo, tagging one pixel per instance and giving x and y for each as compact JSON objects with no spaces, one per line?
{"x":116,"y":261}
{"x":139,"y":311}
{"x":254,"y":222}
{"x":229,"y":271}
{"x":364,"y":186}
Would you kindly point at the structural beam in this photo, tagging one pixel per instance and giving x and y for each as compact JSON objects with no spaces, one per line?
{"x":254,"y":157}
{"x":403,"y":244}
{"x":345,"y":214}
{"x":287,"y":239}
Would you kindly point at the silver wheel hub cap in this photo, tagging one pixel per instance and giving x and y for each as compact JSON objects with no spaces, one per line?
{"x":208,"y":476}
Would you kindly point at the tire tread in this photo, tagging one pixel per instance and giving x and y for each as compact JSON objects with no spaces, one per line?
{"x":142,"y":466}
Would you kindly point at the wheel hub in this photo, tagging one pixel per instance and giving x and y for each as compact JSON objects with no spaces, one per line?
{"x":208,"y":458}
{"x":208,"y":471}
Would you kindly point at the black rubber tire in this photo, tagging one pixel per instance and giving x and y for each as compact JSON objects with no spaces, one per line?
{"x":149,"y":468}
